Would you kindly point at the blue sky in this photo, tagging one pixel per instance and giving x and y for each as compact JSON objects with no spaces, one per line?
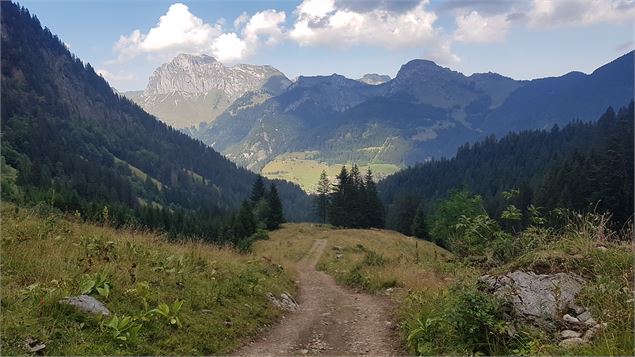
{"x":522,"y":39}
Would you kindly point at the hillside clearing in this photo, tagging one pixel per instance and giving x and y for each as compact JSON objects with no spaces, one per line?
{"x":46,"y":257}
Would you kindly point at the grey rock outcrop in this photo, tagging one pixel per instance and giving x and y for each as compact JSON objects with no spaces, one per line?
{"x":548,"y":301}
{"x":539,"y":298}
{"x":285,"y":302}
{"x":87,"y":303}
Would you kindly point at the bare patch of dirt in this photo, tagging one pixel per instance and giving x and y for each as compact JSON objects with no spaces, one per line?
{"x":331,"y":321}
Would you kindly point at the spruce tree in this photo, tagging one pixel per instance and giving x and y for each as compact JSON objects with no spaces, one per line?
{"x":420,"y":225}
{"x":276,"y":216}
{"x":372,"y":206}
{"x":322,"y":198}
{"x":258,"y":190}
{"x":338,"y":215}
{"x":244,"y":224}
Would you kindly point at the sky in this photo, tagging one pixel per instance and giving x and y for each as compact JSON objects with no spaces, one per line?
{"x":523,"y":39}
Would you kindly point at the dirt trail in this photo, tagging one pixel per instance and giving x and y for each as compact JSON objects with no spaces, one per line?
{"x":331,"y":321}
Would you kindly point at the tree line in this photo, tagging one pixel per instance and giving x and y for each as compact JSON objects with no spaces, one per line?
{"x":581,"y":167}
{"x":351,"y":201}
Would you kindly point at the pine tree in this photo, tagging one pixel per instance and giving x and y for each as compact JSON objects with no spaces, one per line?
{"x":276,"y":216}
{"x":244,"y":224}
{"x":373,"y":208}
{"x":322,"y":198}
{"x":338,"y":212}
{"x":420,"y":225}
{"x":258,"y":190}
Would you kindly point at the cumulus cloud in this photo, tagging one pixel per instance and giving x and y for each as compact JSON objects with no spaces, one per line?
{"x":548,"y":13}
{"x":181,"y":31}
{"x":475,"y":28}
{"x":265,"y":26}
{"x":326,"y":22}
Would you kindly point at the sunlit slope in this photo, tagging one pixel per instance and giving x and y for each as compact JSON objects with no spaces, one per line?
{"x":46,"y":257}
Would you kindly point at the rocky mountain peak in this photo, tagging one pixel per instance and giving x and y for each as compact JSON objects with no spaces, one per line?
{"x":200,"y":74}
{"x":374,"y":78}
{"x":420,"y":67}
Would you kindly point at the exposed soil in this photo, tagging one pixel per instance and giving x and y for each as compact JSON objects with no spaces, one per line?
{"x":332,"y":320}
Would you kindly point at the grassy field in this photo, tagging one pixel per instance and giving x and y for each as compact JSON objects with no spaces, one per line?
{"x":304,"y":168}
{"x":46,"y":257}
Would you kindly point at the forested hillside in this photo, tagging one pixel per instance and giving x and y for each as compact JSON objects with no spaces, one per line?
{"x":68,"y":140}
{"x":582,"y":166}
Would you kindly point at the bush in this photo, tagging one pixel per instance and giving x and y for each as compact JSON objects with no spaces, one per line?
{"x":464,"y":320}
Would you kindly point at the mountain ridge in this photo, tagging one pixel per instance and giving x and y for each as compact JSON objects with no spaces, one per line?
{"x":426,"y":111}
{"x":194,"y":89}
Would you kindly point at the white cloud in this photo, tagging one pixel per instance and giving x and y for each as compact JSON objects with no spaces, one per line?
{"x":322,"y":22}
{"x":241,"y":20}
{"x":479,"y":29}
{"x":266,"y":24}
{"x":549,"y":13}
{"x":181,"y":31}
{"x":228,"y":47}
{"x":441,"y":53}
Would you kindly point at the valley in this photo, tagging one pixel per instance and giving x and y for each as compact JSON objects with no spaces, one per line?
{"x":304,"y":168}
{"x":227,"y":209}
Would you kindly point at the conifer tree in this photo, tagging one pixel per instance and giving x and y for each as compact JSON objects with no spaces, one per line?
{"x":373,"y":208}
{"x":338,"y":212}
{"x":276,"y":216}
{"x":258,"y":190}
{"x":244,"y":224}
{"x":420,"y":224}
{"x":322,"y":198}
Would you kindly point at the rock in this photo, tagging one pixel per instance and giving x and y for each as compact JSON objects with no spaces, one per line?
{"x":572,"y":342}
{"x":286,"y":302}
{"x":593,"y":331}
{"x":538,"y":298}
{"x":87,"y":304}
{"x":602,"y":248}
{"x":570,"y":319}
{"x":569,"y":334}
{"x":389,"y":291}
{"x":338,"y":256}
{"x":337,"y":247}
{"x":33,"y":344}
{"x":578,"y":309}
{"x":584,"y":316}
{"x":590,"y":322}
{"x":305,"y":351}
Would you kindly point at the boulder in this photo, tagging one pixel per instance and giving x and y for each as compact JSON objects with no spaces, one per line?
{"x":285,"y":302}
{"x":538,"y":298}
{"x":584,"y":316}
{"x":569,"y":334}
{"x":570,"y":319}
{"x":572,"y":342}
{"x":593,"y":331}
{"x":86,"y":303}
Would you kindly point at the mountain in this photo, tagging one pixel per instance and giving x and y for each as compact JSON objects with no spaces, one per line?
{"x":425,"y":112}
{"x":73,"y":142}
{"x":194,"y":89}
{"x":374,"y":78}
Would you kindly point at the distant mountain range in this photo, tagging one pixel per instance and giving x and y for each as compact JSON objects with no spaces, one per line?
{"x":426,"y":111}
{"x":191,"y":89}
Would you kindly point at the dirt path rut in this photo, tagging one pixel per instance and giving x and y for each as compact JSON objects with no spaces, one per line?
{"x":331,"y":321}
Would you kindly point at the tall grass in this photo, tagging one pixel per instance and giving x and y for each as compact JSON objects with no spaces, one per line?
{"x":46,"y":257}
